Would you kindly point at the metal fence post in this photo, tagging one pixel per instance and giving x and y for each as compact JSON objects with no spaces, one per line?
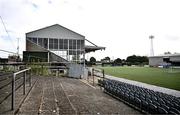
{"x":14,"y":88}
{"x":30,"y":77}
{"x":92,"y":71}
{"x":24,"y":84}
{"x":13,"y":91}
{"x":93,"y":75}
{"x":103,"y":74}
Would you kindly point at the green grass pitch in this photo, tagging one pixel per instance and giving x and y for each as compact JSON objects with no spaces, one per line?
{"x":169,"y":78}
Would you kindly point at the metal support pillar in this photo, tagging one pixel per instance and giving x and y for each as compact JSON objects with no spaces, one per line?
{"x":48,"y":57}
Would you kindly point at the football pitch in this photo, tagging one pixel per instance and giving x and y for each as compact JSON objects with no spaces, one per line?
{"x":169,"y":78}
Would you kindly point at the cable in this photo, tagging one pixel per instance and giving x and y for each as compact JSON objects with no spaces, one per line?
{"x":8,"y":51}
{"x":6,"y":31}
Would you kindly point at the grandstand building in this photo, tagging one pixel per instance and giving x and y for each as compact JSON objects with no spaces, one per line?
{"x":57,"y":44}
{"x":165,"y":60}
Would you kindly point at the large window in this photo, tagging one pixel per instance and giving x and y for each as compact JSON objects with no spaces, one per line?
{"x":82,"y":44}
{"x":60,"y":43}
{"x":53,"y":44}
{"x":78,"y":44}
{"x":40,"y":41}
{"x":70,"y":44}
{"x":56,"y":44}
{"x":45,"y":43}
{"x":34,"y":40}
{"x":50,"y":43}
{"x":74,"y":44}
{"x":29,"y":39}
{"x":65,"y":44}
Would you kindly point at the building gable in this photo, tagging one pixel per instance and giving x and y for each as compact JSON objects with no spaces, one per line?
{"x":55,"y":31}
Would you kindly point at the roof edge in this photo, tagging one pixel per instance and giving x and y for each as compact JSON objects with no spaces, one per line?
{"x":52,"y":26}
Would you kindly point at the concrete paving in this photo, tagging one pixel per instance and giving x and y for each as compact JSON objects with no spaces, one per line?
{"x":148,"y":86}
{"x":59,"y":95}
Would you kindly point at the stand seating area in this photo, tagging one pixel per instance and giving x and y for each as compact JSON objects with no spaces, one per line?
{"x":143,"y":99}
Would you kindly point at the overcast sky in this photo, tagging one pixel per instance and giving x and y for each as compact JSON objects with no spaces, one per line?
{"x":122,"y":26}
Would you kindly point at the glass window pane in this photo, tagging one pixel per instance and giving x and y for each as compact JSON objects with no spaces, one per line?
{"x":29,"y":39}
{"x":65,"y":44}
{"x":78,"y":52}
{"x":45,"y":43}
{"x":78,"y":44}
{"x":70,"y":44}
{"x":50,"y":46}
{"x":82,"y":44}
{"x":40,"y":41}
{"x":50,"y":43}
{"x":55,"y":43}
{"x":60,"y":43}
{"x":74,"y":44}
{"x":34,"y":40}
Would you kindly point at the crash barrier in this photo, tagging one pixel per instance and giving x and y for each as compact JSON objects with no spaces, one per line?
{"x":10,"y":82}
{"x":143,"y":99}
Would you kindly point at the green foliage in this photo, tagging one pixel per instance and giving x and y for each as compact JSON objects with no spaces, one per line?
{"x":107,"y":59}
{"x":7,"y":69}
{"x":137,"y":60}
{"x":156,"y":76}
{"x":39,"y":69}
{"x":118,"y":61}
{"x":92,"y":61}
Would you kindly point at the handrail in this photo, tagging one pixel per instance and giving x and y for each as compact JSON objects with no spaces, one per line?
{"x":24,"y":85}
{"x":97,"y":71}
{"x":21,"y":71}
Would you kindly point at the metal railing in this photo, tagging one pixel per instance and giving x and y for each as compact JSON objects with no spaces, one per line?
{"x":24,"y":84}
{"x":98,"y":73}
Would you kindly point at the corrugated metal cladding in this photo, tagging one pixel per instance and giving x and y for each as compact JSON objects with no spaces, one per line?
{"x":156,"y":61}
{"x":175,"y":58}
{"x":55,"y":31}
{"x":159,"y":60}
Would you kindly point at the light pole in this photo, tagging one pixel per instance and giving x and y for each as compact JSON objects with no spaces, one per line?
{"x":151,"y":37}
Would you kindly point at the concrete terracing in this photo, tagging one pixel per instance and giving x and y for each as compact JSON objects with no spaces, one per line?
{"x":59,"y":95}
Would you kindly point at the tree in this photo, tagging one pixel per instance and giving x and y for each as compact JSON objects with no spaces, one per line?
{"x":107,"y":58}
{"x":131,"y":60}
{"x":118,"y":61}
{"x":137,"y":60}
{"x":92,"y":60}
{"x":167,"y":52}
